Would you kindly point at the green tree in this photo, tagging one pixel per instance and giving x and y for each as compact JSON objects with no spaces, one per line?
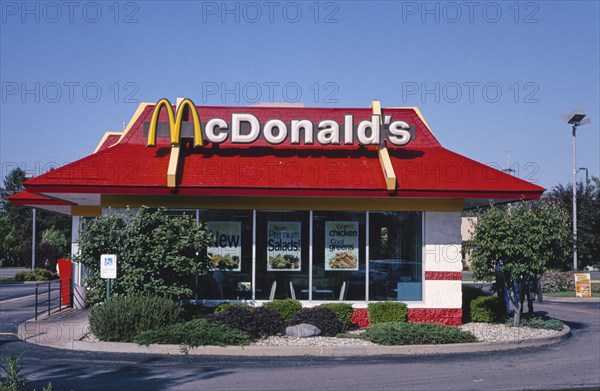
{"x":157,"y":254}
{"x":16,"y":245}
{"x":588,"y":222}
{"x":525,"y":237}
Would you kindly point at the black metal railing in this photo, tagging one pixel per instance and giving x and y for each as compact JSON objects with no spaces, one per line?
{"x":52,"y":297}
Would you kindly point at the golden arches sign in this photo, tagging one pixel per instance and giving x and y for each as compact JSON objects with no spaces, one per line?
{"x":175,"y":122}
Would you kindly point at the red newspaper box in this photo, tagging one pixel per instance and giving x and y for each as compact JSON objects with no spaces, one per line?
{"x":64,"y":272}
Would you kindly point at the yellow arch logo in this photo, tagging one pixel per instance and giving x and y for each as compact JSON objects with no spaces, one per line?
{"x":175,"y":122}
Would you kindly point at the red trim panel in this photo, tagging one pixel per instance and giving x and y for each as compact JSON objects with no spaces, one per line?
{"x":446,"y":316}
{"x":443,"y":275}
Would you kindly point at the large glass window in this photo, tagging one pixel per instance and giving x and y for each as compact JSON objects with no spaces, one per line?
{"x":395,"y":261}
{"x":339,"y":256}
{"x":230,"y":255}
{"x":282,"y":254}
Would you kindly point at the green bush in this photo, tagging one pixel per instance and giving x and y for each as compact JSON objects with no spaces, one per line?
{"x":487,"y":309}
{"x":286,"y":308}
{"x":469,"y":294}
{"x":538,"y":321}
{"x":401,"y":333}
{"x":197,"y":332}
{"x":223,"y":306}
{"x":387,"y":311}
{"x":554,"y":281}
{"x":38,"y":275}
{"x":343,"y":312}
{"x":159,"y":254}
{"x":122,"y":318}
{"x":323,"y":318}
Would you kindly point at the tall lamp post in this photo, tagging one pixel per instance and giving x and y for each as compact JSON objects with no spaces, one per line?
{"x":587,"y":178}
{"x":575,"y":119}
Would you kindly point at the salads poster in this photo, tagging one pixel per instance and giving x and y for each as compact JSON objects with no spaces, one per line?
{"x":283,"y":246}
{"x":226,"y":251}
{"x":341,"y":245}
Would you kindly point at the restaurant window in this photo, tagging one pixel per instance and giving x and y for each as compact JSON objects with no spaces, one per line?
{"x":230,"y":255}
{"x":282,"y":254}
{"x":338,"y":256}
{"x":395,"y":256}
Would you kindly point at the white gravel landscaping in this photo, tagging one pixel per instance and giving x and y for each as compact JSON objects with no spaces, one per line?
{"x":485,"y":332}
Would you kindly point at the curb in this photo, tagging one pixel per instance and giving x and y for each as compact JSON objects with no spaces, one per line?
{"x":323,"y":351}
{"x":571,"y":299}
{"x":33,"y":335}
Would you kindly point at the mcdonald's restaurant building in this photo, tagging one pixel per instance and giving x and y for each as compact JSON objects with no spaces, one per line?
{"x":318,"y":204}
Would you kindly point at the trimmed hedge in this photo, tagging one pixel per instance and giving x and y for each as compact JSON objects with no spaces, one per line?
{"x":401,"y":333}
{"x":469,"y":294}
{"x":343,"y":312}
{"x":323,"y":318}
{"x":122,"y":318}
{"x":487,"y":309}
{"x":197,"y":332}
{"x":286,"y":308}
{"x":38,"y":275}
{"x":387,"y":311}
{"x":554,"y":281}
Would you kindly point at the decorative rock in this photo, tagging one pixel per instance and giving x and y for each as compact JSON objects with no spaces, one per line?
{"x":302,"y":330}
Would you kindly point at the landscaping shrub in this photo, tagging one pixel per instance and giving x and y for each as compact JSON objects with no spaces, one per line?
{"x":286,"y":308}
{"x":487,"y":309}
{"x":193,"y":311}
{"x":223,"y":306}
{"x":401,"y":333}
{"x":387,"y":311}
{"x":469,"y":293}
{"x":122,"y":318}
{"x":538,"y":321}
{"x":343,"y":311}
{"x":267,"y":322}
{"x":554,"y":281}
{"x":197,"y":332}
{"x":256,"y":322}
{"x":38,"y":275}
{"x":323,"y":318}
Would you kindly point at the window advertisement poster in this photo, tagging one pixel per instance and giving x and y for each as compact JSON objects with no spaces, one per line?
{"x":284,"y":246}
{"x":341,"y":245}
{"x":226,"y":251}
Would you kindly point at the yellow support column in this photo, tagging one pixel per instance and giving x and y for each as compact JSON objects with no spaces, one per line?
{"x":384,"y":156}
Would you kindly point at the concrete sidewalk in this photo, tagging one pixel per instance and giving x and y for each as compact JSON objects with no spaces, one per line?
{"x":59,"y":330}
{"x":65,"y":330}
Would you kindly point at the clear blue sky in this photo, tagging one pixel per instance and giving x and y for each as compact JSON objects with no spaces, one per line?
{"x":489,"y":77}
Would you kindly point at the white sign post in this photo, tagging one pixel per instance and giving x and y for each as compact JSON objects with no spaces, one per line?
{"x":108,"y":270}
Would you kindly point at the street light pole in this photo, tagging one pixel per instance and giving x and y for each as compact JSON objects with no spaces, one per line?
{"x":33,"y":241}
{"x":575,"y":119}
{"x":574,"y":196}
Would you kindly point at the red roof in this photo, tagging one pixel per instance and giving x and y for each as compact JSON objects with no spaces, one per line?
{"x":423,"y":168}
